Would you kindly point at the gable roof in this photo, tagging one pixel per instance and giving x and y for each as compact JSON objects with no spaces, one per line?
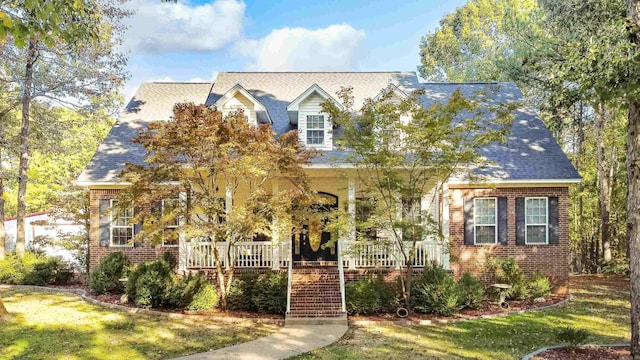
{"x":295,"y":104}
{"x":531,"y":152}
{"x":239,"y":89}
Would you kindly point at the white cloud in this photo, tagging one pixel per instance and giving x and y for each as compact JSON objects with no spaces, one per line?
{"x":214,"y":75}
{"x":158,"y":27}
{"x":299,"y":49}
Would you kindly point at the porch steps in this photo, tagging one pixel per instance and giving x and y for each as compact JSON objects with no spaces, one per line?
{"x":315,"y":295}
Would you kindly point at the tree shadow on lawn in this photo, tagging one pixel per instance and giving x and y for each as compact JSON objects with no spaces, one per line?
{"x":45,"y":326}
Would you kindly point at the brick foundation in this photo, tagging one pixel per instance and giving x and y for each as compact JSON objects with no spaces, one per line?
{"x":552,"y":260}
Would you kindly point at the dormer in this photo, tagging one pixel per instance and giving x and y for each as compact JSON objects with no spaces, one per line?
{"x":391,"y":136}
{"x":314,"y":127}
{"x":238,"y":98}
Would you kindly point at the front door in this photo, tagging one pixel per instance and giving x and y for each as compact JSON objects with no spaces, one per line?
{"x":311,"y":243}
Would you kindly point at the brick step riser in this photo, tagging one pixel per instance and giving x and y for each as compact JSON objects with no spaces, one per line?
{"x":291,"y":315}
{"x":313,"y":272}
{"x":316,"y":294}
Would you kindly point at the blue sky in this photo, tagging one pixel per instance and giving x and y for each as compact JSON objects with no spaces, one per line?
{"x":193,"y":40}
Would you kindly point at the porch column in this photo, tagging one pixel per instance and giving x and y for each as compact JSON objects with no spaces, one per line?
{"x":275,"y":240}
{"x":352,"y":219}
{"x":182,"y":239}
{"x":445,"y":226}
{"x":399,"y":249}
{"x":228,"y":205}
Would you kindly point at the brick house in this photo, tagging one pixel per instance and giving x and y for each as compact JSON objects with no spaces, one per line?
{"x":520,"y":208}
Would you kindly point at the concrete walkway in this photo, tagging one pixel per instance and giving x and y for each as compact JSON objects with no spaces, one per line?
{"x":290,"y":341}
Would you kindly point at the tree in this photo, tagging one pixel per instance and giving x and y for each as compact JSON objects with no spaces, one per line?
{"x":401,"y":160}
{"x":3,"y":309}
{"x":59,"y":52}
{"x":198,"y":159}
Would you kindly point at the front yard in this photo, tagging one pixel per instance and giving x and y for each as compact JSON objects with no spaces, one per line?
{"x":600,"y":305}
{"x":52,"y":326}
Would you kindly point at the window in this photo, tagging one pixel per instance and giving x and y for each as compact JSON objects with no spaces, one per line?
{"x":412,"y":212}
{"x":238,"y":108}
{"x":536,"y":224}
{"x":391,"y":138}
{"x":315,"y":129}
{"x":121,"y":229}
{"x":485,"y":215}
{"x":170,"y":234}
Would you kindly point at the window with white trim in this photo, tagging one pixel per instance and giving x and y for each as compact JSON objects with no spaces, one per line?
{"x":536,"y":215}
{"x":170,"y":234}
{"x":121,"y":228}
{"x":485,"y":216}
{"x":315,"y":129}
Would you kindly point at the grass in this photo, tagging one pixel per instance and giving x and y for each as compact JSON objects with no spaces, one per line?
{"x":600,"y":305}
{"x":57,"y":326}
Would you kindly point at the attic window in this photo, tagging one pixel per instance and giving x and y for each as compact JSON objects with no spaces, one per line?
{"x":245,"y":112}
{"x":315,"y":129}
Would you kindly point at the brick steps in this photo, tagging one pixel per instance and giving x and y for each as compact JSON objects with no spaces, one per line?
{"x":315,"y":294}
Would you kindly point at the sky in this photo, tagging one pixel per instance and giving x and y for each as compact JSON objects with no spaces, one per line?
{"x":194,"y":40}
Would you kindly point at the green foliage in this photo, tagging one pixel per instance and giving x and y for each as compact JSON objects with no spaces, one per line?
{"x":265,"y":293}
{"x":34,"y":269}
{"x":150,"y":284}
{"x":572,"y":336}
{"x":205,"y":299}
{"x":540,"y":286}
{"x":185,"y":289}
{"x":105,"y":278}
{"x":170,"y":259}
{"x":471,"y":291}
{"x":370,"y":296}
{"x":507,"y":271}
{"x":436,"y":292}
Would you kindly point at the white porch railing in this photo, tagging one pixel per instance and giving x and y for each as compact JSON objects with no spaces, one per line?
{"x":372,"y":255}
{"x":254,"y":254}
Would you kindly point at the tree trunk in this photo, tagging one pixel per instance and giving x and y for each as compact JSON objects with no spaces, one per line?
{"x":24,"y":147}
{"x":3,"y":234}
{"x":604,"y":182}
{"x":3,"y":310}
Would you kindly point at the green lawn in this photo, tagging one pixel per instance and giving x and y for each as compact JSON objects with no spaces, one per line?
{"x":601,"y":305}
{"x":57,"y":326}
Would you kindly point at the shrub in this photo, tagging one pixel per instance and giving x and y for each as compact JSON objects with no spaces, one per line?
{"x":572,"y":336}
{"x":150,"y":284}
{"x":170,"y":259}
{"x":241,"y":293}
{"x":185,"y":289}
{"x":471,"y":291}
{"x":205,"y":299}
{"x":105,"y":278}
{"x":269,"y":293}
{"x":508,"y":272}
{"x":34,"y":269}
{"x":369,"y":296}
{"x":540,"y":286}
{"x":436,"y":292}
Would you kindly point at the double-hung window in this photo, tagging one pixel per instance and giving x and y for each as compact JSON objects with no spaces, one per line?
{"x":536,"y":214}
{"x":315,"y":129}
{"x":121,"y":229}
{"x":170,"y":233}
{"x":485,"y":215}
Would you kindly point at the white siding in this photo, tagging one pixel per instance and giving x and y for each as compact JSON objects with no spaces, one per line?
{"x":240,"y":101}
{"x":312,"y":106}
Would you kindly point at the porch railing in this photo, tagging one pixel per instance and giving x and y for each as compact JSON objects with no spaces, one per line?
{"x":255,"y":254}
{"x":372,"y":255}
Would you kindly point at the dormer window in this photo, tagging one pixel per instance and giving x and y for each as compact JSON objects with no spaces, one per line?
{"x":315,"y":129}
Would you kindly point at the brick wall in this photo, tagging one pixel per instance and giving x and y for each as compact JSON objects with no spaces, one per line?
{"x":552,"y":260}
{"x":137,"y":254}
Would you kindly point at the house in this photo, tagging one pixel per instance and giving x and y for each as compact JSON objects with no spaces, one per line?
{"x":520,"y":209}
{"x":41,"y":231}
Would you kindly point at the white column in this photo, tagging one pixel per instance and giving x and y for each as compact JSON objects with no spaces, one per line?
{"x":182,"y":239}
{"x":445,"y":224}
{"x":228,"y":205}
{"x":275,"y":240}
{"x":352,"y":219}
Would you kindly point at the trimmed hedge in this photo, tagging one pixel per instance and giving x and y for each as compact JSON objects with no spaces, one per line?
{"x":371,"y":296}
{"x":105,"y":278}
{"x":35,"y":269}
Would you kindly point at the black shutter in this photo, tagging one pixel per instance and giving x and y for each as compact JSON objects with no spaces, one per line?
{"x":137,"y":228}
{"x":468,"y":221}
{"x":554,"y":231}
{"x":520,"y":224}
{"x":104,"y":206}
{"x":502,"y":221}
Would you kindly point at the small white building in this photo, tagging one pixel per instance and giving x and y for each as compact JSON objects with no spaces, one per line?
{"x":41,"y":225}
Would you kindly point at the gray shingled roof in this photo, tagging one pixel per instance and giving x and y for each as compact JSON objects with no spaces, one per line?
{"x":530,"y":154}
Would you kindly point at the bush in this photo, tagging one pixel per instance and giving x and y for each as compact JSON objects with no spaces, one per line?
{"x":105,"y":278}
{"x":540,"y":286}
{"x":471,"y":291}
{"x":436,"y":292}
{"x":35,"y":269}
{"x":370,"y":296}
{"x":270,"y":293}
{"x":572,"y":336}
{"x":150,"y":284}
{"x":185,"y":289}
{"x":170,"y":259}
{"x":508,"y":272}
{"x":266,"y":293}
{"x":205,"y":299}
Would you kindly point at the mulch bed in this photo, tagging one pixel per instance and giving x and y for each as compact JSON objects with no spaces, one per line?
{"x":486,"y":308}
{"x":586,"y":353}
